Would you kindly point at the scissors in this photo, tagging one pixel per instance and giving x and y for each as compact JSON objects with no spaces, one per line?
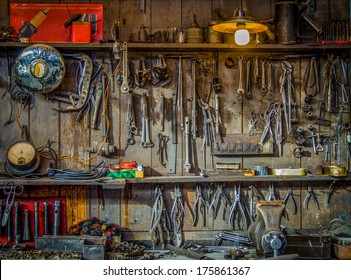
{"x":11,"y":190}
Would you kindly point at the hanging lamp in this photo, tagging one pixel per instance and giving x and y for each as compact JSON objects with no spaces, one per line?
{"x":241,"y":25}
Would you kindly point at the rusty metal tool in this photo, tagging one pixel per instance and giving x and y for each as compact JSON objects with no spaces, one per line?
{"x":57,"y":209}
{"x":286,"y":199}
{"x":240,"y":90}
{"x":172,"y":155}
{"x":83,"y":82}
{"x":159,"y":72}
{"x":146,"y":141}
{"x":219,"y":198}
{"x":17,"y":231}
{"x":125,"y":85}
{"x":180,"y":93}
{"x":1,"y":202}
{"x":271,"y":193}
{"x":178,"y":216}
{"x":162,"y":149}
{"x":98,"y":98}
{"x":46,"y":218}
{"x":36,"y":218}
{"x":216,"y":82}
{"x":9,"y":228}
{"x":187,"y":164}
{"x":27,"y":236}
{"x":199,"y":204}
{"x":193,"y":100}
{"x":237,"y":211}
{"x":310,"y":194}
{"x":162,"y":112}
{"x":11,"y":190}
{"x":160,"y":221}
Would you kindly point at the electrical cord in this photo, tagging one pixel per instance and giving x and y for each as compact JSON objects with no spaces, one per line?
{"x":96,"y":172}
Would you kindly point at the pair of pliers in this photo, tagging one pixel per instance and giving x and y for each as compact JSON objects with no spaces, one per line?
{"x":270,"y":195}
{"x":285,"y":201}
{"x":307,"y":198}
{"x":237,"y":206}
{"x":217,"y":197}
{"x":199,"y":204}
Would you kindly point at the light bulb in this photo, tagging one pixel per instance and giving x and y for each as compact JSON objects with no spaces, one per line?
{"x":242,"y":37}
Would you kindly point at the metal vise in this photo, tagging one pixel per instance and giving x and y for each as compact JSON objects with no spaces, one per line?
{"x":265,"y":231}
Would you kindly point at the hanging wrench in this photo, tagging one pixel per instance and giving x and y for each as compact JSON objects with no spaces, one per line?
{"x":187,"y":164}
{"x":256,"y":71}
{"x":270,"y":81}
{"x":125,"y":85}
{"x":248,"y":93}
{"x":263,"y":77}
{"x":240,"y":90}
{"x":145,"y":133}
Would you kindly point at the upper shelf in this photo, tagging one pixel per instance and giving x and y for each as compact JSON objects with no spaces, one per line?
{"x":187,"y":47}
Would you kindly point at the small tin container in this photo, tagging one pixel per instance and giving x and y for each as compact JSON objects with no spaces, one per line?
{"x":213,"y":36}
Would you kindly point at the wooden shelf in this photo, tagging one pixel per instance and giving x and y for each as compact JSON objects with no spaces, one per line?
{"x":110,"y":183}
{"x":233,"y":178}
{"x":173,"y":47}
{"x":105,"y":182}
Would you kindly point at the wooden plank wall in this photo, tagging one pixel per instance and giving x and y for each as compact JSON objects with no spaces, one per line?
{"x":131,"y":208}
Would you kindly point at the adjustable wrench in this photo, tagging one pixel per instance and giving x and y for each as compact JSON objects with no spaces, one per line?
{"x":187,"y":164}
{"x":256,"y":71}
{"x":125,"y":85}
{"x":248,"y":93}
{"x":270,"y":81}
{"x":240,"y":90}
{"x":263,"y":78}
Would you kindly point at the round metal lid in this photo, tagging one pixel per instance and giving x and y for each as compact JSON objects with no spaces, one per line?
{"x":40,"y":68}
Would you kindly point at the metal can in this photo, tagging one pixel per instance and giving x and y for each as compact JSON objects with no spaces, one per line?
{"x":194,"y":34}
{"x":286,"y":18}
{"x":213,"y":36}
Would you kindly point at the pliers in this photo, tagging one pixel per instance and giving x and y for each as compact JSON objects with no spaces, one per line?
{"x":237,"y":206}
{"x":286,"y":199}
{"x":307,"y":198}
{"x":217,"y":197}
{"x":178,"y":216}
{"x":199,"y":204}
{"x":270,"y":195}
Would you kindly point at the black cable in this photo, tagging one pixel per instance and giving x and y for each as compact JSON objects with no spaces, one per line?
{"x":96,"y":172}
{"x":47,"y":149}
